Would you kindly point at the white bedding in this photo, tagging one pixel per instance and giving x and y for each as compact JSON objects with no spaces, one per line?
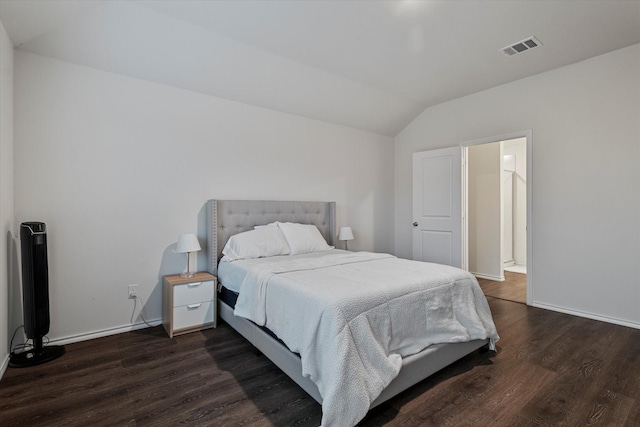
{"x":231,"y":273}
{"x":353,"y":316}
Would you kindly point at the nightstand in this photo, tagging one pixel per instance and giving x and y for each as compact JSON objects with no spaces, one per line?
{"x":189,"y":303}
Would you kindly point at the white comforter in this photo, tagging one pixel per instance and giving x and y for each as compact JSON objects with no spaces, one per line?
{"x":353,"y":316}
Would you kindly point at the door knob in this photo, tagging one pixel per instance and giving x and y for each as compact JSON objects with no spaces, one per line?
{"x":415,"y":224}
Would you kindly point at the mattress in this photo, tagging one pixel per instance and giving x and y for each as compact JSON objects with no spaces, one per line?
{"x":230,"y":298}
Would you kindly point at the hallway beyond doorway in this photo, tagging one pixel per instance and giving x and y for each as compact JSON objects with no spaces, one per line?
{"x":516,"y":268}
{"x":514,"y":287}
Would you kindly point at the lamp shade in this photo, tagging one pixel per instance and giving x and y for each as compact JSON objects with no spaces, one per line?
{"x":187,"y":243}
{"x":345,"y":233}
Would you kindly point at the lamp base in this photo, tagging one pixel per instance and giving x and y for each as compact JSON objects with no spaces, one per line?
{"x":188,"y":273}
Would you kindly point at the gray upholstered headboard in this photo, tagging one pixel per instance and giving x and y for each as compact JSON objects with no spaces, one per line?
{"x":228,"y":217}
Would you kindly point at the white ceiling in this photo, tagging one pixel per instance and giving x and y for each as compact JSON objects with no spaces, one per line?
{"x":372,"y":65}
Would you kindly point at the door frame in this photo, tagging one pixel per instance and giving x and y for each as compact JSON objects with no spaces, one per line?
{"x":528,"y":135}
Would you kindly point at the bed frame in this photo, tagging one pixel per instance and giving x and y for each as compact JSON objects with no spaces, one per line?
{"x":228,"y":217}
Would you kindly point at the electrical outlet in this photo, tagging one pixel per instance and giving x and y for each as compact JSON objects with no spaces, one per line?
{"x":133,"y":291}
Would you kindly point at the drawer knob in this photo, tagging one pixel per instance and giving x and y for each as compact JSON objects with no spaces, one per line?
{"x":194,"y":284}
{"x":192,"y":306}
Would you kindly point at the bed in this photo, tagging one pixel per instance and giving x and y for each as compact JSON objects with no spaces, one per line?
{"x":227,"y":218}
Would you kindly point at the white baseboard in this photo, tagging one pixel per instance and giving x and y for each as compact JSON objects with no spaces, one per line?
{"x":5,"y":364}
{"x":587,"y":315}
{"x":88,"y":336}
{"x":103,"y":333}
{"x":488,"y":276}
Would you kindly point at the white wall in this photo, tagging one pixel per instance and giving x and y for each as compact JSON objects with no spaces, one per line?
{"x":6,"y":189}
{"x":585,"y":120}
{"x":484,"y":205}
{"x":118,"y":167}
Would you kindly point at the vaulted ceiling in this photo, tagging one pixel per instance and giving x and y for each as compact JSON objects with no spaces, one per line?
{"x":372,"y":65}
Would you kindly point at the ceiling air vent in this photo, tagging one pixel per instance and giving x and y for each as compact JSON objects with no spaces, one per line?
{"x":521,"y":46}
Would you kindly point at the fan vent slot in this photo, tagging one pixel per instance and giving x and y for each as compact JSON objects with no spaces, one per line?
{"x":521,"y":46}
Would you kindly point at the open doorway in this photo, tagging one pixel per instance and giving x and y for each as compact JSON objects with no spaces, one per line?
{"x":497,"y":204}
{"x":514,"y":205}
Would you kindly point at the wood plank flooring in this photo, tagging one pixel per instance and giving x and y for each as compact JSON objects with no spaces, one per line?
{"x":551,"y":369}
{"x":514,"y":287}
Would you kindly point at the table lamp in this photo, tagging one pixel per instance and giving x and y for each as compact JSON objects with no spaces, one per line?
{"x":345,"y":234}
{"x":187,"y":243}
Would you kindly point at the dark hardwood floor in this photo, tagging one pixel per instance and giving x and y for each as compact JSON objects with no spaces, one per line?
{"x":514,"y":287}
{"x":551,"y":369}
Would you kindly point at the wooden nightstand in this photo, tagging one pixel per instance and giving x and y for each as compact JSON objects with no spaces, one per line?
{"x":189,"y":303}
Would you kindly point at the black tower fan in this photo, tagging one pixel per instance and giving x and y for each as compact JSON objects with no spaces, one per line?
{"x":35,"y":296}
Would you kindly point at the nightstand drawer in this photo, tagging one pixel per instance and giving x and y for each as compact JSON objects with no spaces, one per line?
{"x":191,"y":293}
{"x":192,"y":315}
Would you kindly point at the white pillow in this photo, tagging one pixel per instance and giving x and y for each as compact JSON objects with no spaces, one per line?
{"x":271,"y":224}
{"x":258,"y":243}
{"x":303,"y":238}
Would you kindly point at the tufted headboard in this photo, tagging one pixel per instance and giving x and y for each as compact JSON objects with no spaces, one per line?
{"x":228,"y":217}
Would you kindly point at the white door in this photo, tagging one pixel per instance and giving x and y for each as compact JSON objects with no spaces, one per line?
{"x":437,"y":206}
